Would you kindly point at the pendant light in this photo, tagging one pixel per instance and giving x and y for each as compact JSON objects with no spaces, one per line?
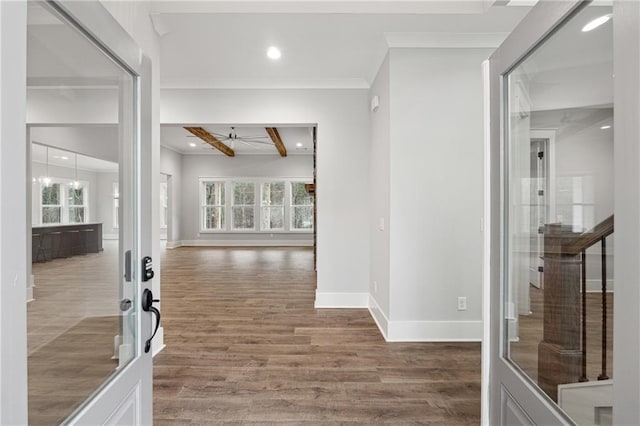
{"x":76,"y":184}
{"x":47,"y":180}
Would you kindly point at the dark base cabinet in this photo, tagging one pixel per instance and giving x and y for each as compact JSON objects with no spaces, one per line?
{"x":53,"y":242}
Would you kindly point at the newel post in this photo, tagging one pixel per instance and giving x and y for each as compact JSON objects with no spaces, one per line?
{"x":559,"y":352}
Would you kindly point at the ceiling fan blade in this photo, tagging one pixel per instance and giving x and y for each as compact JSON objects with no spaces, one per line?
{"x":254,"y":141}
{"x":247,"y":143}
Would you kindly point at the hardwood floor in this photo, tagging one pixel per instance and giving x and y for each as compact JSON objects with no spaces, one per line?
{"x":246,"y":346}
{"x":70,"y":336}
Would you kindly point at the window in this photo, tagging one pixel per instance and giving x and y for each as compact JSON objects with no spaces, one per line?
{"x":51,"y":203}
{"x":213,"y":205}
{"x":163,"y":204}
{"x":255,"y":205}
{"x":243,"y":209}
{"x":77,"y":205}
{"x":301,"y":207}
{"x":63,"y":201}
{"x":272,"y":206}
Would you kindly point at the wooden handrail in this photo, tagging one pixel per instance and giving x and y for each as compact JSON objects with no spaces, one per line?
{"x":589,"y":238}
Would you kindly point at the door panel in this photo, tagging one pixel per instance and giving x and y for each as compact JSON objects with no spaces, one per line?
{"x":551,"y":73}
{"x":84,"y":69}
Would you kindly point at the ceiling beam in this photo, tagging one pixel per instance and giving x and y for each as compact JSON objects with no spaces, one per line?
{"x":277,"y":141}
{"x":211,"y":140}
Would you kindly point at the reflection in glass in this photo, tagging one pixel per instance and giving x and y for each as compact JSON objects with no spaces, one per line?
{"x":559,"y":282}
{"x":78,"y":334}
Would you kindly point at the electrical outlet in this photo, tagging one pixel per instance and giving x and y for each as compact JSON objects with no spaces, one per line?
{"x":375,"y":286}
{"x":462,"y":303}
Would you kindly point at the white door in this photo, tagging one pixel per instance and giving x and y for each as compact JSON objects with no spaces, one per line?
{"x":108,"y":75}
{"x":549,"y":370}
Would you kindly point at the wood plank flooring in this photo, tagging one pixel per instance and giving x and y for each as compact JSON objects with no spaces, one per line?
{"x":70,"y":336}
{"x":525,"y":351}
{"x":246,"y":346}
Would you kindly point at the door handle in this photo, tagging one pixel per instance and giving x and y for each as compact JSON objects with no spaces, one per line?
{"x":147,"y":306}
{"x":125,"y":305}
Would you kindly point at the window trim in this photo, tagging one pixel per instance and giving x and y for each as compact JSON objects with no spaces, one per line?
{"x":292,"y":206}
{"x":202,"y":206}
{"x":262,"y":206}
{"x":258,"y":181}
{"x":233,"y":205}
{"x":64,"y":205}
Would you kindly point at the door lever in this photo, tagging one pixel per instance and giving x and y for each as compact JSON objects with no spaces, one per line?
{"x":147,"y":306}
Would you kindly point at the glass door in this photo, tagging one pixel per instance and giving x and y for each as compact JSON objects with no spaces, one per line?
{"x":552,"y":344}
{"x":87,"y":361}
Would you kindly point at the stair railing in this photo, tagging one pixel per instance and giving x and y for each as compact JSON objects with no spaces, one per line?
{"x":562,"y":353}
{"x":580,"y":245}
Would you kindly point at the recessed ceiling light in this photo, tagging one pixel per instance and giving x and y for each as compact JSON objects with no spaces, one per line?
{"x":192,"y":145}
{"x":299,"y":144}
{"x":596,"y":23}
{"x":274,"y":53}
{"x":605,"y":127}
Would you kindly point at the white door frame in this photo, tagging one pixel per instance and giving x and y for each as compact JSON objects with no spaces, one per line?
{"x":502,"y":375}
{"x":13,"y":213}
{"x":136,"y":378}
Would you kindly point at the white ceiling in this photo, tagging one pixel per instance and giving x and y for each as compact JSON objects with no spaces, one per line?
{"x":200,"y":48}
{"x":250,"y":140}
{"x":63,"y":158}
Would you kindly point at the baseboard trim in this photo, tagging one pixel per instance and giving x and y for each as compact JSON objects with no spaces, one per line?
{"x":173,"y":244}
{"x":157,"y":344}
{"x":246,"y":243}
{"x":30,"y":287}
{"x":379,"y":317}
{"x":341,"y":300}
{"x":435,"y":331}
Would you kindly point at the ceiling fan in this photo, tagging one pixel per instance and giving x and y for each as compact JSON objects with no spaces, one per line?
{"x":232,"y":137}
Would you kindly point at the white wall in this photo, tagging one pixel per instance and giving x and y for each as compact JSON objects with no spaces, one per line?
{"x":104,"y":199}
{"x":342,"y":168}
{"x":247,"y":166}
{"x":171,"y":165}
{"x":436,"y":190}
{"x":379,"y":180}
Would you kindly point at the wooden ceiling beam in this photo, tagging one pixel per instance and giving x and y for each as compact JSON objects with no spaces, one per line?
{"x":277,"y":140}
{"x":211,"y":140}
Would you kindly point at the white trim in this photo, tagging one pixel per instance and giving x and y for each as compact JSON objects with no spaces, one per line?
{"x":110,"y":237}
{"x":436,"y":40}
{"x":240,"y":243}
{"x":157,"y":344}
{"x":379,"y":317}
{"x":173,"y":244}
{"x":435,"y":331}
{"x":486,"y":250}
{"x":342,"y":300}
{"x":256,"y":83}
